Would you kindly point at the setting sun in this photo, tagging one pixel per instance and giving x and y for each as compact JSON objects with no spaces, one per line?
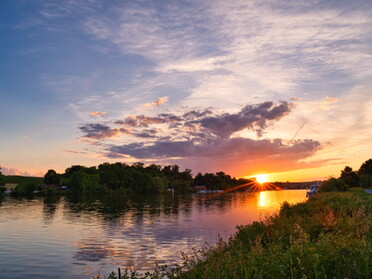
{"x":262,"y":178}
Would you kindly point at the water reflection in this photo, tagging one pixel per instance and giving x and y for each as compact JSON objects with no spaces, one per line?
{"x":84,"y":235}
{"x":49,"y":208}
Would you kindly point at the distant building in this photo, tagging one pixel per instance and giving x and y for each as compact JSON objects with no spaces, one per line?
{"x":9,"y":187}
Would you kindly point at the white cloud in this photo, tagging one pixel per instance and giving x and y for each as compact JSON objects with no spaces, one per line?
{"x":264,"y":49}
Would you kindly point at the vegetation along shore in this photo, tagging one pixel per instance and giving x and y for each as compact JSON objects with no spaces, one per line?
{"x":328,"y":236}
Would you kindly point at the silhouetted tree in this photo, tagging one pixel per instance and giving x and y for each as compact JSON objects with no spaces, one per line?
{"x":69,"y":171}
{"x":138,"y":165}
{"x":349,"y":177}
{"x":366,"y":168}
{"x":1,"y":178}
{"x":51,"y":178}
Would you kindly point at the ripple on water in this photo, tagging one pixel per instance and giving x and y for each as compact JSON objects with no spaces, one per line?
{"x":59,"y":239}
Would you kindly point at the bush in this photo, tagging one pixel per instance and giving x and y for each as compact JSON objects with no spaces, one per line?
{"x":365,"y":181}
{"x":332,"y":185}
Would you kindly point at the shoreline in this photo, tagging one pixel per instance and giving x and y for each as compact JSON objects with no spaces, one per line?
{"x":327,"y":236}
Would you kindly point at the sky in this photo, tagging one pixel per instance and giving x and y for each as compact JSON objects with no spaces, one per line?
{"x":246,"y":87}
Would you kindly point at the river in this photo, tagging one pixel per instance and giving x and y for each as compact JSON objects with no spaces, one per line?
{"x":61,"y":238}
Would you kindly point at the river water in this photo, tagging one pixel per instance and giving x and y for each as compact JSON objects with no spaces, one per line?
{"x":61,"y":238}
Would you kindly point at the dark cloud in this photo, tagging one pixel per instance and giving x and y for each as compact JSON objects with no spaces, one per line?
{"x":196,"y":114}
{"x":141,"y":121}
{"x":255,"y":117}
{"x":98,"y":131}
{"x":148,"y":133}
{"x":193,"y":124}
{"x":218,"y":148}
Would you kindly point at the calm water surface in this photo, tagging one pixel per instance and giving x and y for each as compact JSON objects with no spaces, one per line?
{"x":61,"y":238}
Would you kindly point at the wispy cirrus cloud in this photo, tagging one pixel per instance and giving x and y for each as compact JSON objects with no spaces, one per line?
{"x":328,"y":102}
{"x":263,"y":47}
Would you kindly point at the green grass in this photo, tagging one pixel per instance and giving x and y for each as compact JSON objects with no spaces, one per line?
{"x":23,"y":180}
{"x":329,"y":236}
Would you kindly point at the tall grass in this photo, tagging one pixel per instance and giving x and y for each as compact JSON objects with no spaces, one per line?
{"x":329,"y":236}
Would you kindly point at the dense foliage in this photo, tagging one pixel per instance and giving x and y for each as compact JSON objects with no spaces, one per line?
{"x":26,"y":184}
{"x":220,"y":180}
{"x":22,"y":180}
{"x":128,"y":179}
{"x":333,"y":185}
{"x":362,"y":177}
{"x":138,"y":178}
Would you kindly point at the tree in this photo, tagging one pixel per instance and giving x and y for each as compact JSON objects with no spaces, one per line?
{"x":51,"y":178}
{"x":365,"y":181}
{"x":138,"y":165}
{"x":365,"y":174}
{"x":159,"y":185}
{"x":366,"y":168}
{"x":349,"y":177}
{"x":1,"y":178}
{"x":79,"y":182}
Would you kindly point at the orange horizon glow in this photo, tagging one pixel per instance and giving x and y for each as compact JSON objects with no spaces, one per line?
{"x":261,"y":178}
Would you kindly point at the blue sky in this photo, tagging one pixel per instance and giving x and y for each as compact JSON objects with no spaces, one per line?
{"x":279,"y":87}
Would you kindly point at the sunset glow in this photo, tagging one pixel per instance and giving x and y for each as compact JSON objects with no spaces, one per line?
{"x":236,"y":86}
{"x":262,"y":178}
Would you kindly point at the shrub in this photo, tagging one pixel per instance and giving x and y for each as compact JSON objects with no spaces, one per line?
{"x":365,"y":181}
{"x":333,"y":184}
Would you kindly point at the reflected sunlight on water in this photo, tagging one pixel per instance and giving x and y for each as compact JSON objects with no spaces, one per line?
{"x":61,"y":238}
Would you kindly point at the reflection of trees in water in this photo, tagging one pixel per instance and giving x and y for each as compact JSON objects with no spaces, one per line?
{"x":49,"y":208}
{"x":221,"y":201}
{"x":109,"y":207}
{"x":144,"y":229}
{"x":112,"y":207}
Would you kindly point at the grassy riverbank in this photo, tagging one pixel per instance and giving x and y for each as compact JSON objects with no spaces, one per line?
{"x":329,"y":236}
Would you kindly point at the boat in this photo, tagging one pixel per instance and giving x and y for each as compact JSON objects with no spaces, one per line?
{"x":312,"y":190}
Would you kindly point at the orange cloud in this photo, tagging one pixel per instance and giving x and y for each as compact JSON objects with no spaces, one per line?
{"x":98,"y":114}
{"x":157,"y":102}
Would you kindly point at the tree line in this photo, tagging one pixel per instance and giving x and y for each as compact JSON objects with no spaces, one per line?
{"x":136,"y":178}
{"x":350,"y":178}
